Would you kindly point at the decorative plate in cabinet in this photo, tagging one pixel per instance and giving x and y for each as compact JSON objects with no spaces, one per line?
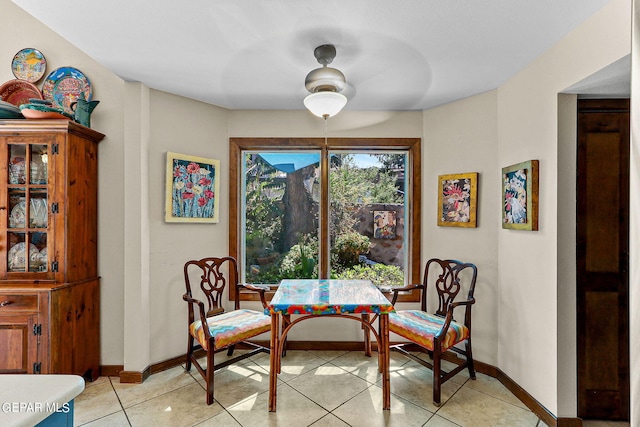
{"x":17,"y":259}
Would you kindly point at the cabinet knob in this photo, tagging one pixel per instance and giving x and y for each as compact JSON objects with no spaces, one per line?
{"x":3,"y":303}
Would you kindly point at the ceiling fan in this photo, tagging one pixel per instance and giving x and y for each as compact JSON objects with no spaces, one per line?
{"x":325,"y":84}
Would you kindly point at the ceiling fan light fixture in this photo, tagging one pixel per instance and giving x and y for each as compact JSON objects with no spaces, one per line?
{"x":325,"y":83}
{"x":325,"y":103}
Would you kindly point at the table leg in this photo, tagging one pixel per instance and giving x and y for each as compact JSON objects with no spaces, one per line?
{"x":286,"y":320}
{"x":383,"y":322}
{"x":367,"y":335}
{"x":274,"y":357}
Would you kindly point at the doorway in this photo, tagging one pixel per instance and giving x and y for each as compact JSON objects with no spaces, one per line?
{"x":602,"y":259}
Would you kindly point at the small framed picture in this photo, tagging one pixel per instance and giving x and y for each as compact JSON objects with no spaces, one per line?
{"x":384,"y":224}
{"x":520,"y":196}
{"x":458,"y":200}
{"x":192,"y":188}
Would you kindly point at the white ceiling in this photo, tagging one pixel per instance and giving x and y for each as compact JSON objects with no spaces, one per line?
{"x":255,"y":54}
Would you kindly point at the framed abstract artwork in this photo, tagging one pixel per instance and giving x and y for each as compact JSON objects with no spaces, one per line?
{"x":458,"y":200}
{"x":520,"y":196}
{"x":192,"y":188}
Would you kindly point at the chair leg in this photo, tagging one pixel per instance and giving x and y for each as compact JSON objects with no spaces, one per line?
{"x":189,"y":353}
{"x":230,"y":350}
{"x":209,"y":375}
{"x":436,"y":376}
{"x":472,"y":370}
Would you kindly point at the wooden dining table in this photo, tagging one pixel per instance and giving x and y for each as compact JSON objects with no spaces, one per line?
{"x":310,"y":298}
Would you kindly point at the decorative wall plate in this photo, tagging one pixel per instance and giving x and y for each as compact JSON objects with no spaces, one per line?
{"x":17,"y":173}
{"x":38,"y":213}
{"x":17,"y":216}
{"x":29,"y":64}
{"x":17,"y":257}
{"x":64,"y":85}
{"x":18,"y":92}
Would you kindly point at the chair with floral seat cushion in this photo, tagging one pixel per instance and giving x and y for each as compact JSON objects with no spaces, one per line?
{"x":438,"y":332}
{"x":211,"y":327}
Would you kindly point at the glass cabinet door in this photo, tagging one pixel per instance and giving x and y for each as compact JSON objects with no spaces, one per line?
{"x":28,"y":222}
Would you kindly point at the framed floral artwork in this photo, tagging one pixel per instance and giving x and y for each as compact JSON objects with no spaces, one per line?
{"x":192,"y":188}
{"x":520,"y":196}
{"x":458,"y":200}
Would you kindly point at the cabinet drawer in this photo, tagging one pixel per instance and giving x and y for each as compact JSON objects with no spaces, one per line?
{"x":19,"y":302}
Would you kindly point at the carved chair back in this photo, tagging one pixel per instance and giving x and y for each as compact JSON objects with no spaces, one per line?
{"x":449,"y":277}
{"x":212,"y":274}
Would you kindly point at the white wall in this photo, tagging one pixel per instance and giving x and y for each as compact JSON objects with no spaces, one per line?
{"x":463,"y":137}
{"x":189,"y":127}
{"x":528,"y":261}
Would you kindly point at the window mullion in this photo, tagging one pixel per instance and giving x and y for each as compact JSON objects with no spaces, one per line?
{"x":324,"y":214}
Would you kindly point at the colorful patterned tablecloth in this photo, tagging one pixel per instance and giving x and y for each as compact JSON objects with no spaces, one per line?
{"x":312,"y":296}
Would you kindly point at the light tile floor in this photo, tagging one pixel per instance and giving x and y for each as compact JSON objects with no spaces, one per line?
{"x":316,"y":388}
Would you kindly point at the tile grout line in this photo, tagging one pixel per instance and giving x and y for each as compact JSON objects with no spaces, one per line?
{"x":444,"y":418}
{"x":331,"y":413}
{"x":150,"y":398}
{"x":119,"y":401}
{"x":498,"y":398}
{"x":112,"y":413}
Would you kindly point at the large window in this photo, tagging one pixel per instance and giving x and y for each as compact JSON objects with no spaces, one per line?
{"x":345,"y":209}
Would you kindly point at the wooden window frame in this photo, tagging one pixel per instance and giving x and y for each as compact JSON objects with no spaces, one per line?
{"x":413,"y":172}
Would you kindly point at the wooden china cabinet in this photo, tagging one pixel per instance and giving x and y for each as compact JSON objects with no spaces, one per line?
{"x":49,"y":284}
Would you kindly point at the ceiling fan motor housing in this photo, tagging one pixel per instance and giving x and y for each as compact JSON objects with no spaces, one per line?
{"x":325,"y":78}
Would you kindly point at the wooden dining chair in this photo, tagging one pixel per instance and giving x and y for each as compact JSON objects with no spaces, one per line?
{"x":438,"y":331}
{"x":211,"y":327}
